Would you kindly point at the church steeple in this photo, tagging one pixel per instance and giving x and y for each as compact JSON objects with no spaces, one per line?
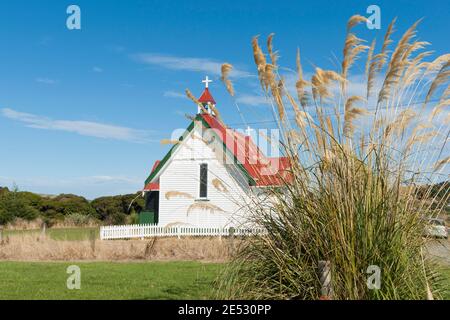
{"x":206,"y":97}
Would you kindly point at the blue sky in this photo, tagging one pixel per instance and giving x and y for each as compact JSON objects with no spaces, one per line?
{"x":83,"y":111}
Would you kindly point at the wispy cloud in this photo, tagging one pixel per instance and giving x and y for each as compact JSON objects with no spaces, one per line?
{"x":174,"y":94}
{"x":252,"y":100}
{"x":84,"y":128}
{"x":116,"y":48}
{"x":45,"y":40}
{"x":46,"y":81}
{"x":97,"y":69}
{"x":100,"y":179}
{"x":205,"y":65}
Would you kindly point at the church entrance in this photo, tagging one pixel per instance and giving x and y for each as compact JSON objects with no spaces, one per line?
{"x":150,"y":214}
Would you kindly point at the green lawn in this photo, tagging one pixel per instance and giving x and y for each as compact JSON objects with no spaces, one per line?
{"x":60,"y":234}
{"x":111,"y":280}
{"x":107,"y":280}
{"x":446,"y":273}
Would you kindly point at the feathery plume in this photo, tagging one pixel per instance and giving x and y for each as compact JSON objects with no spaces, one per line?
{"x":204,"y":206}
{"x":397,"y":63}
{"x":354,"y":20}
{"x":301,"y":83}
{"x":382,"y":56}
{"x":351,"y":113}
{"x":219,"y":185}
{"x":273,"y":55}
{"x":198,"y":103}
{"x":168,"y":141}
{"x":225,"y":70}
{"x":260,"y":59}
{"x":277,"y":93}
{"x":173,"y":194}
{"x":352,"y":46}
{"x":439,"y":164}
{"x":321,"y":80}
{"x":370,"y":69}
{"x":399,"y":124}
{"x":216,"y":112}
{"x":439,"y":108}
{"x":441,"y":77}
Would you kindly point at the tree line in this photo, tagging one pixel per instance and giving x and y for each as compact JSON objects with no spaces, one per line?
{"x":15,"y":204}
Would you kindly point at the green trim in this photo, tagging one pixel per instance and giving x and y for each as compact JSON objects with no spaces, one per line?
{"x":155,"y":172}
{"x":167,"y":156}
{"x":148,"y":217}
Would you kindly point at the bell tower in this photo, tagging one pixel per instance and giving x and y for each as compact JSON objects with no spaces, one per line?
{"x":206,"y":98}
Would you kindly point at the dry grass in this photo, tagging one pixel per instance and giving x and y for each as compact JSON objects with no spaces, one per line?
{"x":21,"y":224}
{"x":41,"y":248}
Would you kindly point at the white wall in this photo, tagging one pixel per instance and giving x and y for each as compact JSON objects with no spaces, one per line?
{"x":182,"y":174}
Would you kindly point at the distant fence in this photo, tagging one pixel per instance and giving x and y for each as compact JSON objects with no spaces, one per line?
{"x":148,"y":230}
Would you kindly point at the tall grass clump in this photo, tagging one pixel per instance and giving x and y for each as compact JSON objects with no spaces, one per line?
{"x":358,"y":161}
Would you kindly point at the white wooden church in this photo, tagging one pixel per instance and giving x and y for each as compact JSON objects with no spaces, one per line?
{"x":209,"y":176}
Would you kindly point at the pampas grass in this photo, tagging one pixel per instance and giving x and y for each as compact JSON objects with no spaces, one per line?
{"x":440,"y":163}
{"x":219,"y":185}
{"x":174,"y":194}
{"x":168,"y":141}
{"x":225,"y":71}
{"x":357,"y":196}
{"x":203,"y":205}
{"x":301,"y":84}
{"x":195,"y":100}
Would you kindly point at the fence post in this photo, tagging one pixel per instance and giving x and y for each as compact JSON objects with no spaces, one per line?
{"x":1,"y":235}
{"x":326,"y":290}
{"x":231,"y":232}
{"x":93,"y":237}
{"x":178,"y":232}
{"x":43,"y":228}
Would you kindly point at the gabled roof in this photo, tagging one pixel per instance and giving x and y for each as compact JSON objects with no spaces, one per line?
{"x":206,"y":97}
{"x":259,"y":169}
{"x":265,"y":171}
{"x":154,"y":186}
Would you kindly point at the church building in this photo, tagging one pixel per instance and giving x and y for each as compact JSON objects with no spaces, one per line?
{"x":210,"y":176}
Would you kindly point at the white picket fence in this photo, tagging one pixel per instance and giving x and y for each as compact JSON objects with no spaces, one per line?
{"x":149,"y":230}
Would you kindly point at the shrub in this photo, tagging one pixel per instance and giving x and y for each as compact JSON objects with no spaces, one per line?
{"x":78,"y":219}
{"x":13,"y":205}
{"x":133,"y":218}
{"x":115,"y":209}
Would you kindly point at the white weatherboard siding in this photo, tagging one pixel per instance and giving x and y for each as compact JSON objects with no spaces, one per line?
{"x":182,"y":174}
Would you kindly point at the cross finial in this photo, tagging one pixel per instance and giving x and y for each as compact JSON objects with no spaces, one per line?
{"x":248,"y":131}
{"x":206,"y":82}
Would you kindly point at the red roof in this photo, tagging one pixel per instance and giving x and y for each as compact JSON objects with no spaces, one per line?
{"x":206,"y":97}
{"x":264,"y":170}
{"x":155,"y":185}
